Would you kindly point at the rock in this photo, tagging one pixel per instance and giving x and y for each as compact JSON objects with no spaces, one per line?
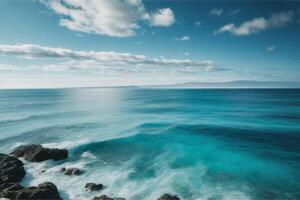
{"x":58,"y":154}
{"x":10,"y":186}
{"x":104,"y":197}
{"x":11,"y":169}
{"x":168,"y":197}
{"x":72,"y":171}
{"x":42,"y":191}
{"x":37,"y":153}
{"x":93,"y":187}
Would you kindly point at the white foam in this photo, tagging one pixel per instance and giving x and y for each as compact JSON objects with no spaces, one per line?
{"x":12,"y":118}
{"x":119,"y":184}
{"x":88,"y":154}
{"x":66,"y":144}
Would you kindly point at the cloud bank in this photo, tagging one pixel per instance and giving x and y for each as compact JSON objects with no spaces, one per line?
{"x":117,"y":18}
{"x":103,"y":61}
{"x":257,"y":25}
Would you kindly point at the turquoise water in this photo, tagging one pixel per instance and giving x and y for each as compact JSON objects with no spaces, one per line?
{"x":141,"y":143}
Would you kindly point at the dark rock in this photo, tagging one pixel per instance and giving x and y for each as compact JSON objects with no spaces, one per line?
{"x":48,"y":185}
{"x":11,"y":169}
{"x":37,"y":153}
{"x":42,"y":191}
{"x":72,"y":171}
{"x":10,"y":186}
{"x":93,"y":187}
{"x":168,"y":197}
{"x":21,"y":150}
{"x":58,"y":154}
{"x":104,"y":197}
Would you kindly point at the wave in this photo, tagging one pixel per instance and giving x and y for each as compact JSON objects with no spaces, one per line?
{"x":188,"y":183}
{"x":18,"y":119}
{"x":52,"y":135}
{"x":7,"y":119}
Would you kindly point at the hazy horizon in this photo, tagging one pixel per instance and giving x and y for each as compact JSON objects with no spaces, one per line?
{"x":237,"y":84}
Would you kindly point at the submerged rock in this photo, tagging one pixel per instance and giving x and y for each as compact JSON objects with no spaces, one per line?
{"x":11,"y":169}
{"x":93,"y":187}
{"x":38,"y":153}
{"x":104,"y":197}
{"x":45,"y":190}
{"x":72,"y":171}
{"x":168,"y":197}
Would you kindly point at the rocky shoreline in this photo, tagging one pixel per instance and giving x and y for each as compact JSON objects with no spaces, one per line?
{"x":12,"y":172}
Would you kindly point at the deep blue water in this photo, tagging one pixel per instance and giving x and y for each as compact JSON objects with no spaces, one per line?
{"x":141,"y":143}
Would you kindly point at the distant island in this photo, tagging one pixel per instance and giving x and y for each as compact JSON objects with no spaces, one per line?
{"x":233,"y":84}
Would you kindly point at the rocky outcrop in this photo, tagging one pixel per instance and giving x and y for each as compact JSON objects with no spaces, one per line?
{"x":11,"y":169}
{"x":72,"y":171}
{"x":93,"y":187}
{"x":38,"y":153}
{"x":104,"y":197}
{"x":168,"y":197}
{"x":12,"y":172}
{"x":42,"y":191}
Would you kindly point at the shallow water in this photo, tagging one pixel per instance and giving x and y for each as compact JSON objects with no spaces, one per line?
{"x":141,"y":143}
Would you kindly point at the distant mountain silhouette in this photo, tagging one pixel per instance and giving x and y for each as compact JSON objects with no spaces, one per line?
{"x":235,"y":84}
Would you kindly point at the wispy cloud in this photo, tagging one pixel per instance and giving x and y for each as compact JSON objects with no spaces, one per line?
{"x":234,"y":12}
{"x":216,"y":12}
{"x":270,"y":48}
{"x":118,"y":18}
{"x":97,"y":60}
{"x":257,"y":25}
{"x":198,"y":23}
{"x":183,"y":38}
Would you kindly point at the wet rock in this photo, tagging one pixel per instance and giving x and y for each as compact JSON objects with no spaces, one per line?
{"x":104,"y":197}
{"x":42,"y":191}
{"x":72,"y":171}
{"x":168,"y":197}
{"x":37,"y":153}
{"x":11,"y":169}
{"x":10,"y":187}
{"x":93,"y":187}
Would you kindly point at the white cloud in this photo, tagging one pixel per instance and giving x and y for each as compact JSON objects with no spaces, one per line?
{"x":234,"y":12}
{"x":162,"y":17}
{"x":117,"y":18}
{"x":183,"y":38}
{"x":270,"y":49}
{"x":198,"y":23}
{"x":257,"y":25}
{"x":98,"y":60}
{"x":216,"y":12}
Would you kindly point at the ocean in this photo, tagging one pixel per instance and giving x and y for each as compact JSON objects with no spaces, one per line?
{"x":141,"y":142}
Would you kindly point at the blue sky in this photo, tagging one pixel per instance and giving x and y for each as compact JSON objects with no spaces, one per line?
{"x":69,"y":43}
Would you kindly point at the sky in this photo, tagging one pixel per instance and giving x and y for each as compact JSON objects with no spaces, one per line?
{"x":73,"y":43}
